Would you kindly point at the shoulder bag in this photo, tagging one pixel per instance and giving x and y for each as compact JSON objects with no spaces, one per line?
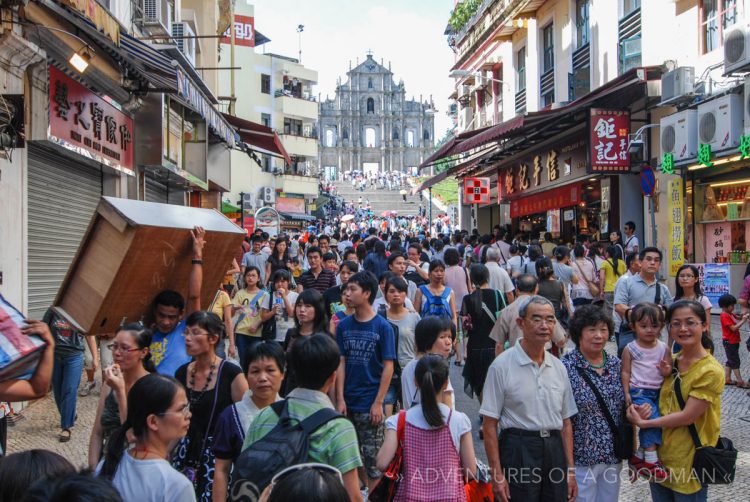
{"x":385,"y":491}
{"x":712,"y":465}
{"x":593,"y":287}
{"x":623,"y":433}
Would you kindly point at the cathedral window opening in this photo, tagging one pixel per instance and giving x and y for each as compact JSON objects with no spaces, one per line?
{"x":410,"y":138}
{"x":370,"y":105}
{"x":395,"y":134}
{"x":370,"y":137}
{"x":369,"y":83}
{"x":329,"y":138}
{"x":426,"y":135}
{"x":345,"y":133}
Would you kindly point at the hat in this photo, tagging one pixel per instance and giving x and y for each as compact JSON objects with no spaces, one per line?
{"x":334,"y":242}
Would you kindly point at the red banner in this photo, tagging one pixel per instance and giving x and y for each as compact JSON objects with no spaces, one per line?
{"x":609,"y":140}
{"x":83,"y":120}
{"x":476,"y":190}
{"x":244,"y":32}
{"x":556,"y":198}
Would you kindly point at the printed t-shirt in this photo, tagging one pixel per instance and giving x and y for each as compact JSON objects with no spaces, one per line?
{"x":252,"y":304}
{"x":168,"y":351}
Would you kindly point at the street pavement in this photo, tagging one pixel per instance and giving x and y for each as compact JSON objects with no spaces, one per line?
{"x":40,"y":426}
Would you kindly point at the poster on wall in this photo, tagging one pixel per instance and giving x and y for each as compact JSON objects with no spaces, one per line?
{"x":718,"y":242}
{"x":714,"y":280}
{"x":553,"y":222}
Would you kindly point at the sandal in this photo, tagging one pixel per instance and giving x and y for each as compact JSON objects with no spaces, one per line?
{"x":64,"y":436}
{"x":743,"y":385}
{"x":729,"y":383}
{"x":458,"y":363}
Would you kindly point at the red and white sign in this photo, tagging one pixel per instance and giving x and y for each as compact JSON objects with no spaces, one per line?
{"x":82,"y":120}
{"x":290,"y":205}
{"x":244,"y":32}
{"x":609,"y":140}
{"x":476,"y":190}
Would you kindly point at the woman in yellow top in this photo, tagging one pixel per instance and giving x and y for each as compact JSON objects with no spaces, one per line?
{"x":222,"y":307}
{"x":701,"y":380}
{"x":253,"y":308}
{"x":613,"y":267}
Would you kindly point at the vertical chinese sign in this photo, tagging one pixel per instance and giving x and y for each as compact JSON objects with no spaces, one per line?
{"x":609,"y":130}
{"x":82,"y":121}
{"x":718,"y":242}
{"x":676,"y":253}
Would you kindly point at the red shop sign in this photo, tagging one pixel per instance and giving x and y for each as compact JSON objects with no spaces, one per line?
{"x":476,"y":190}
{"x":609,"y":131}
{"x":557,"y":198}
{"x":83,"y":120}
{"x":244,"y":32}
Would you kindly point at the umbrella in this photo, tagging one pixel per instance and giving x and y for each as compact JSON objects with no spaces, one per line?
{"x":388,"y":213}
{"x":347,"y":217}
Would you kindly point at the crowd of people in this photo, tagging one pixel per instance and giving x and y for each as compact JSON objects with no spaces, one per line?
{"x":324,"y":358}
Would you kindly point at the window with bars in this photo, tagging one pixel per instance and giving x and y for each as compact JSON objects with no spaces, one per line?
{"x":548,"y":47}
{"x":582,"y":23}
{"x":265,"y":83}
{"x":716,"y":16}
{"x":521,"y":69}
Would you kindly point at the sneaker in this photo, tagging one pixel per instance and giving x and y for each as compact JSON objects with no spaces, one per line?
{"x":87,"y":388}
{"x":635,"y":465}
{"x":365,"y":493}
{"x":656,"y":471}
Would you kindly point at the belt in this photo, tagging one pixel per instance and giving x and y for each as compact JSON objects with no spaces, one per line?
{"x":544,"y":433}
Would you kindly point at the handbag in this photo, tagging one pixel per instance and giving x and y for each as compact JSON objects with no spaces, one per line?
{"x":385,"y":490}
{"x":712,"y":465}
{"x":623,"y":433}
{"x":593,"y":287}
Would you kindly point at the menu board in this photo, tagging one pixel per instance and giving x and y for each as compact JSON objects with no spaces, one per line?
{"x":718,"y":242}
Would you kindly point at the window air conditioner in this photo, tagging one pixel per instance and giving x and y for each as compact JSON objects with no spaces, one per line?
{"x":736,"y":48}
{"x":157,"y":17}
{"x":720,"y":122}
{"x":679,"y":135}
{"x":746,"y":105}
{"x":185,"y":40}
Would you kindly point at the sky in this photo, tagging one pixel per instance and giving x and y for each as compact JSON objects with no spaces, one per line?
{"x":407,"y":33}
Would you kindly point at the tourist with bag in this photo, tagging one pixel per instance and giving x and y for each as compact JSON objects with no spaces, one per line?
{"x":434,"y":436}
{"x":588,"y":287}
{"x":252,"y":309}
{"x":435,"y":298}
{"x":600,"y":431}
{"x":690,"y":405}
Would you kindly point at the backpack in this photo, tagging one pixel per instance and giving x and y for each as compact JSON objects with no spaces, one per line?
{"x":436,"y":305}
{"x":287,"y":444}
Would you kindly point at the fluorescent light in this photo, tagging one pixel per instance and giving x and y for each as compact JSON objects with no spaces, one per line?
{"x":79,"y":61}
{"x":728,"y":183}
{"x":723,"y":204}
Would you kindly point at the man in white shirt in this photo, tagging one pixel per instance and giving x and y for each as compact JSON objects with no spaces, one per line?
{"x":499,"y":278}
{"x":631,"y":241}
{"x":528,"y":394}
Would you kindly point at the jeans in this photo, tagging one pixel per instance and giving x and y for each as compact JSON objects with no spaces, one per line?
{"x":661,"y":493}
{"x":244,"y":343}
{"x":651,"y":436}
{"x":598,"y":482}
{"x":66,"y":376}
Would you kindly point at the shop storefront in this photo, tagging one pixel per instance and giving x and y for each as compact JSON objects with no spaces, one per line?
{"x":89,"y":142}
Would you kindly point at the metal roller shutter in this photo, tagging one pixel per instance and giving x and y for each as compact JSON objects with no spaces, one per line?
{"x":62,"y":197}
{"x":156,"y":192}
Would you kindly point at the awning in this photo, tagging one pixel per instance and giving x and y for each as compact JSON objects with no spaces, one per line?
{"x":491,"y":134}
{"x":226,"y":207}
{"x":446,"y":149}
{"x":259,"y":137}
{"x":297,"y":216}
{"x":429,"y":183}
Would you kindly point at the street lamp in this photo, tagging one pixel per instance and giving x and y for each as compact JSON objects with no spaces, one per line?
{"x":466,"y":74}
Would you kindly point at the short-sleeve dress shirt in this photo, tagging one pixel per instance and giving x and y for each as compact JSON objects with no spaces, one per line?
{"x":523,"y":395}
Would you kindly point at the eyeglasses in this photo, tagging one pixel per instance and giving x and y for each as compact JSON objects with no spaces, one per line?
{"x":542,"y":320}
{"x":686,"y":324}
{"x":310,"y":465}
{"x":114,"y":347}
{"x":184,"y":410}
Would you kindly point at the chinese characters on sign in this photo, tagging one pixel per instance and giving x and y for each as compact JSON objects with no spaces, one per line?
{"x":718,"y":242}
{"x":554,"y":199}
{"x":704,"y":155}
{"x":244,"y":32}
{"x":676,"y":253}
{"x":476,"y":190}
{"x":79,"y":119}
{"x":744,"y":147}
{"x":609,"y":140}
{"x":667,"y":163}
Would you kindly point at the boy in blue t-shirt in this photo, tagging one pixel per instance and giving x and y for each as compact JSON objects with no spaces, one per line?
{"x":368,"y":350}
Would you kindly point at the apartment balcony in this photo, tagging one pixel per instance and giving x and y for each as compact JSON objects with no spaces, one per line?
{"x":302,"y":108}
{"x":298,"y":183}
{"x":293,"y":70}
{"x":301,"y":146}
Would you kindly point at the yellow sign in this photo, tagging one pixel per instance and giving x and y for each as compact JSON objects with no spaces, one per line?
{"x":313,"y":207}
{"x":676,"y":249}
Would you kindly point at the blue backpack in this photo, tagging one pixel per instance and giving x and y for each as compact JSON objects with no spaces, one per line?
{"x":436,"y":305}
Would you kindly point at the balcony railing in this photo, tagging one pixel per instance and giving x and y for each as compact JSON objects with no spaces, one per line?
{"x":281,"y":93}
{"x":290,"y":132}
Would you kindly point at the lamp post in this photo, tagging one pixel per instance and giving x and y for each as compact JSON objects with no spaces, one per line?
{"x":300,"y":29}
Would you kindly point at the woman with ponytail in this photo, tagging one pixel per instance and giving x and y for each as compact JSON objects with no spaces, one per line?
{"x":132,"y":361}
{"x":435,"y":437}
{"x":158,"y":415}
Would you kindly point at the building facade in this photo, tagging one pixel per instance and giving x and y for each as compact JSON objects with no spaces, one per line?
{"x":371,"y":126}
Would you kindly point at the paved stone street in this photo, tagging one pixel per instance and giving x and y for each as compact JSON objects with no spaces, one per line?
{"x":40,"y":427}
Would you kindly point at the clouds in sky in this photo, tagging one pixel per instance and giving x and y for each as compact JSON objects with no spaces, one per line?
{"x":407,"y":33}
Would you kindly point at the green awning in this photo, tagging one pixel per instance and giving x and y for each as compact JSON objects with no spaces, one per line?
{"x":226,"y":207}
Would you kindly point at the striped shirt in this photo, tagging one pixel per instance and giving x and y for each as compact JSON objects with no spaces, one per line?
{"x":334,"y":443}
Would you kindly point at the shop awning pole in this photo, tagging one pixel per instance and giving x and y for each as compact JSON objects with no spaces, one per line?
{"x":429,"y":224}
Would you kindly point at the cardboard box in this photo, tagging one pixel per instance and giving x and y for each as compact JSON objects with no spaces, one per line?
{"x":132,"y":250}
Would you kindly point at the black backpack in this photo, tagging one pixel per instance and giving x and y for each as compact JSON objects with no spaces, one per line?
{"x":287,"y":444}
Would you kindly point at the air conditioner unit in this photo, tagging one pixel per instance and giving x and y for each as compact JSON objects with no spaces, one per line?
{"x":736,"y":48}
{"x":720,"y":122}
{"x":679,"y":135}
{"x":248,"y":200}
{"x":184,"y":38}
{"x":677,"y":84}
{"x":268,"y":194}
{"x":157,"y":17}
{"x":480,"y":80}
{"x":746,"y":105}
